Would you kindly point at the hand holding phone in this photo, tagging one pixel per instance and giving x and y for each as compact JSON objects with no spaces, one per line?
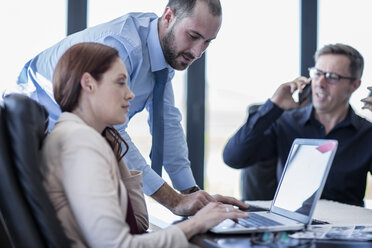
{"x":305,"y":94}
{"x":368,"y":100}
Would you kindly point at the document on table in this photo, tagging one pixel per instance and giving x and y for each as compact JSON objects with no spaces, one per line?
{"x":358,"y":233}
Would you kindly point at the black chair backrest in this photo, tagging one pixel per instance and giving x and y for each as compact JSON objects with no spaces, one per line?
{"x":26,"y":208}
{"x":14,"y":208}
{"x":259,"y":181}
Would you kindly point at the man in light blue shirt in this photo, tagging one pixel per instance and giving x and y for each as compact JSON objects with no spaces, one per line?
{"x":146,"y":43}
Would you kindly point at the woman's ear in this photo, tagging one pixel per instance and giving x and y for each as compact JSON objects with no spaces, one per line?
{"x":87,"y":82}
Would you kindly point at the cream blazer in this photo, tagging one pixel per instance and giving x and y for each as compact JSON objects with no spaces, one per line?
{"x":89,"y":189}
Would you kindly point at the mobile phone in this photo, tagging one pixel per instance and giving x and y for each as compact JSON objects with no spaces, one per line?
{"x":306,"y":94}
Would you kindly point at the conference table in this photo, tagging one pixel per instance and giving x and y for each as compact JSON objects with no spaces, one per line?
{"x":336,"y":214}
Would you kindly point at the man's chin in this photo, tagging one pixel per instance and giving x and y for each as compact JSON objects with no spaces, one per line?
{"x":180,"y":66}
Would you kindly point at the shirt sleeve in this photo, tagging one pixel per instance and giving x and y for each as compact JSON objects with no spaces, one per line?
{"x":88,"y":179}
{"x":35,"y":81}
{"x":255,"y":140}
{"x":135,"y":161}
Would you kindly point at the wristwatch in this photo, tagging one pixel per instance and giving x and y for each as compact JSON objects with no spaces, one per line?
{"x":191,"y":190}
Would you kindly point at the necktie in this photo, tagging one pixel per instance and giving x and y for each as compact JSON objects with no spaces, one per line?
{"x":161,"y":78}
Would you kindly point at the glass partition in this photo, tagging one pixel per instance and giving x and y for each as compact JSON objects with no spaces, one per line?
{"x":256,"y":50}
{"x":348,"y":21}
{"x":27,"y":28}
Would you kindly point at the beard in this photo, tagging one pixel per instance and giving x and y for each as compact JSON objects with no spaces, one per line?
{"x":170,"y":53}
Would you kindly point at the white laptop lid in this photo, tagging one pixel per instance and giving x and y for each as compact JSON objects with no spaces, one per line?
{"x":299,"y":189}
{"x":303,"y":178}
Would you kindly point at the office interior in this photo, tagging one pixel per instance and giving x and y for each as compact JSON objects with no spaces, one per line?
{"x":261,"y":44}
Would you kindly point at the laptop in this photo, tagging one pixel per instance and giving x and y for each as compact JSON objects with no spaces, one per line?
{"x":298,"y":191}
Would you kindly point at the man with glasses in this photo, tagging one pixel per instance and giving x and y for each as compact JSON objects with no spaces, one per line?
{"x":270,"y":131}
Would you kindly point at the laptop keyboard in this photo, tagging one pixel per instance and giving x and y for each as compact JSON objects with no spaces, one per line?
{"x":257,"y":220}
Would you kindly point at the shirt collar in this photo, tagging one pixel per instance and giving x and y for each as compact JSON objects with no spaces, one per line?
{"x":351,"y":117}
{"x":157,"y":59}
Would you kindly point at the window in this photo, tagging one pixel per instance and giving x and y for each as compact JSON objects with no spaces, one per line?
{"x":28,"y":27}
{"x":256,"y":50}
{"x":254,"y":40}
{"x":347,"y":21}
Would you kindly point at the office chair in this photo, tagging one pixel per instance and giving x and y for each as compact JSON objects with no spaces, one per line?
{"x":28,"y":214}
{"x":259,"y":181}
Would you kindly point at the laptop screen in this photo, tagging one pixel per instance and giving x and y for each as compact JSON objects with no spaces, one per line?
{"x":304,"y":176}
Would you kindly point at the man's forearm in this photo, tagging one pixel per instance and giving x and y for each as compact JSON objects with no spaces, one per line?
{"x":251,"y":142}
{"x":167,"y":196}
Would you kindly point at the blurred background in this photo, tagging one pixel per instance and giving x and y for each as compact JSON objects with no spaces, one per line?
{"x":256,"y":50}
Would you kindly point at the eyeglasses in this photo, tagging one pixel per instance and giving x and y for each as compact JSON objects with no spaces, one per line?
{"x":280,"y":239}
{"x":330,"y":77}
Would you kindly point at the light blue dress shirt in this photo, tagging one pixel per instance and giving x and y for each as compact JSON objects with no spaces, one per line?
{"x":135,"y":36}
